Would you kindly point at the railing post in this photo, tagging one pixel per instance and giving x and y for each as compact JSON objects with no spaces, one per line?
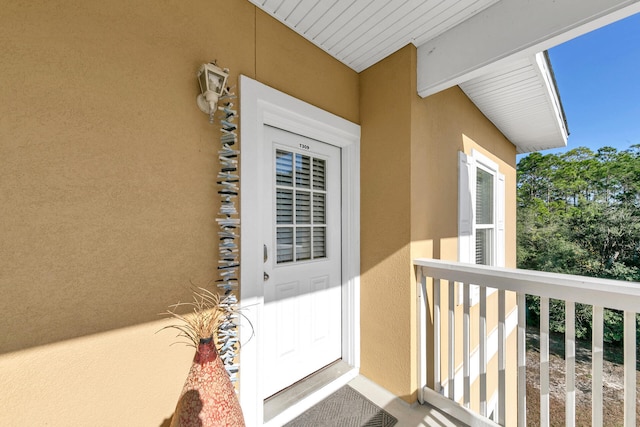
{"x":570,"y":361}
{"x":466,"y":345}
{"x":522,"y":359}
{"x":483,"y":351}
{"x":421,"y":330}
{"x":452,"y":341}
{"x":544,"y":361}
{"x":596,"y":370}
{"x":437,"y":386}
{"x":502,"y":359}
{"x":629,"y":369}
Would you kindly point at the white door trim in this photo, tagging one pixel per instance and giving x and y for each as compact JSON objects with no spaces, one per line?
{"x":261,"y":105}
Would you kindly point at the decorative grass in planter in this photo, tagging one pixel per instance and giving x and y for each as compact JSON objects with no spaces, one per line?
{"x":208,"y":397}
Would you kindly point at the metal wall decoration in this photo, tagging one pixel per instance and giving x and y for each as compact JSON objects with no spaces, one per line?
{"x":228,"y":221}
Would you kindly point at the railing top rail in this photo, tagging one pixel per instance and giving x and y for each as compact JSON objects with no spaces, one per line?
{"x":608,"y":293}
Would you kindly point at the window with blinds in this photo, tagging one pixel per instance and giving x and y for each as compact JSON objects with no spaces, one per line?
{"x":481,"y":233}
{"x":485,"y":223}
{"x":301,"y":224}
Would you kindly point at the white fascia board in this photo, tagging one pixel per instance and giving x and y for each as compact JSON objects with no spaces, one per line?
{"x":550,"y":89}
{"x":507,"y":31}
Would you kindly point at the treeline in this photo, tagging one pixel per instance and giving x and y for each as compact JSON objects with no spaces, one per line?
{"x":579,"y":213}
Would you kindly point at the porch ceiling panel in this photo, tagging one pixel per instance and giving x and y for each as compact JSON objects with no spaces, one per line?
{"x":520,"y":99}
{"x":511,"y":84}
{"x":360,"y":33}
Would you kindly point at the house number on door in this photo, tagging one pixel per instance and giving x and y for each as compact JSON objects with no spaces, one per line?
{"x":304,"y":146}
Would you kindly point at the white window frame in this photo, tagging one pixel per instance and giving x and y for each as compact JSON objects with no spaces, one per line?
{"x":262,"y":105}
{"x":467,"y":228}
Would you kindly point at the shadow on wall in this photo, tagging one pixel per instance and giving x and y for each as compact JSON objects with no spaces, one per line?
{"x":192,"y":406}
{"x":44,"y":319}
{"x":166,"y":422}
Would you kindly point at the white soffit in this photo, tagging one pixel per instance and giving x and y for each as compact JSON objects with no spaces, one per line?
{"x":490,"y":52}
{"x":521,"y":100}
{"x":360,"y":33}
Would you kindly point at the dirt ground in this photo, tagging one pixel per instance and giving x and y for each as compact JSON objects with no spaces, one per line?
{"x":613,"y":380}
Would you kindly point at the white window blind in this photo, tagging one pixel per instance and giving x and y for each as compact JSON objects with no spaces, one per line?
{"x":300,"y":207}
{"x":484,"y":197}
{"x":484,"y":220}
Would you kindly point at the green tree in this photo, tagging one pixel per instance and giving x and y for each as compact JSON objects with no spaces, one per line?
{"x":579,"y":213}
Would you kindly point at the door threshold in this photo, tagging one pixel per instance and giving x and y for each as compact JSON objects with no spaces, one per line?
{"x":294,"y":400}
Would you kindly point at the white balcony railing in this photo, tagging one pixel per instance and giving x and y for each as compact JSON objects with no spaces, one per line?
{"x":452,"y":393}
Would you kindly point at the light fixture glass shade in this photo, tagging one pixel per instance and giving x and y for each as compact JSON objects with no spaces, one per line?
{"x":216,"y":81}
{"x":202,"y":79}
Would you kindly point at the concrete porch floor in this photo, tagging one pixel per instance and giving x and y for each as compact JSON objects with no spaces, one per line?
{"x":407,"y":415}
{"x":294,"y":401}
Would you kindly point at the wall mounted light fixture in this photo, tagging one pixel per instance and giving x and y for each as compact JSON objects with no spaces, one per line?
{"x":213,"y":80}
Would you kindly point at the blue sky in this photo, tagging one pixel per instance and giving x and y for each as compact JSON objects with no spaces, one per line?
{"x":598,"y":76}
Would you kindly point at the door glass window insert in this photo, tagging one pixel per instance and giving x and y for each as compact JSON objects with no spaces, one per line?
{"x":301,"y":220}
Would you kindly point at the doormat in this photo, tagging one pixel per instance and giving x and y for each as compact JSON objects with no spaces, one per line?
{"x":345,"y":408}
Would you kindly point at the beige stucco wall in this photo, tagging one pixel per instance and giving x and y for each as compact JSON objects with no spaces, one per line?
{"x":409,"y":207}
{"x":387,"y":316}
{"x":108,"y":197}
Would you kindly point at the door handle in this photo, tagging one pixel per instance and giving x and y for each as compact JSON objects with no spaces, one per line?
{"x":266,"y":257}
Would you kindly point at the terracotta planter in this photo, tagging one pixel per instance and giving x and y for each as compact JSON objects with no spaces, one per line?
{"x":208,"y":398}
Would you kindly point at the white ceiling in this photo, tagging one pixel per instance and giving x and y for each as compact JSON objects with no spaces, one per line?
{"x":516,"y":97}
{"x":360,"y":33}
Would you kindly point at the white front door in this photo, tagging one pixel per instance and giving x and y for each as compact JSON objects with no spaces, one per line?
{"x":302,"y":259}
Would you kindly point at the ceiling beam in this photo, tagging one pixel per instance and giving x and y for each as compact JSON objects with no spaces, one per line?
{"x":507,"y":31}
